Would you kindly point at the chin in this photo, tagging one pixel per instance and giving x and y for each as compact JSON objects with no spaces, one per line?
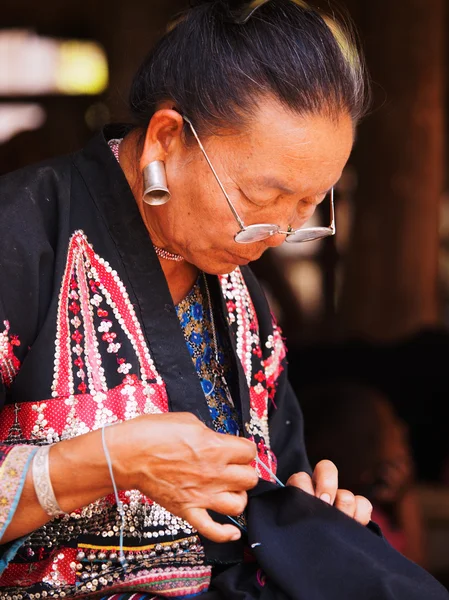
{"x":220,"y":270}
{"x":218,"y":267}
{"x":218,"y":261}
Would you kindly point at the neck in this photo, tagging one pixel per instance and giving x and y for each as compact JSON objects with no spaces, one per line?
{"x":180,"y":276}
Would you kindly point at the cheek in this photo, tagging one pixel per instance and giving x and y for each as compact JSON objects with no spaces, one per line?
{"x":203,"y":221}
{"x":201,"y":214}
{"x":211,"y":206}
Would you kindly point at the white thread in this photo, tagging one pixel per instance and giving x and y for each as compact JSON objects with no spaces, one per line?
{"x":239,"y":525}
{"x":261,"y":464}
{"x":119,"y":503}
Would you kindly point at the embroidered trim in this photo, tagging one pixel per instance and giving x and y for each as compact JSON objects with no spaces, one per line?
{"x":242,"y":315}
{"x":274,"y":363}
{"x":261,"y":375}
{"x":92,"y":298}
{"x":13,"y":470}
{"x":9,"y":363}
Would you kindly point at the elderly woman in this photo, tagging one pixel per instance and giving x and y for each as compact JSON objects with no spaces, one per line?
{"x":134,"y":334}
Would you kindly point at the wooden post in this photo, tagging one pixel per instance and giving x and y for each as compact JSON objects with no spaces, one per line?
{"x":391,"y":269}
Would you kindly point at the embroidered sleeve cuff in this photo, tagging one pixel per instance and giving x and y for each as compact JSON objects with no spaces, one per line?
{"x":14,"y":464}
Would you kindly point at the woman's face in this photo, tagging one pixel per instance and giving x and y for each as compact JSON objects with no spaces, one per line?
{"x":275,"y":171}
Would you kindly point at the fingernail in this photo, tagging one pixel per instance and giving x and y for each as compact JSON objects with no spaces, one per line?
{"x":236,"y":536}
{"x":325,"y":498}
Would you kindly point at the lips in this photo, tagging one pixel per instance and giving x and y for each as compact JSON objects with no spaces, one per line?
{"x":244,"y":260}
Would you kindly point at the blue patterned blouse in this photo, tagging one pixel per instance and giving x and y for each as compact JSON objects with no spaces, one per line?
{"x":195,"y":318}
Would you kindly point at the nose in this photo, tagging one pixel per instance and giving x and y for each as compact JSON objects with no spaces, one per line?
{"x":275,"y":240}
{"x":302,"y":216}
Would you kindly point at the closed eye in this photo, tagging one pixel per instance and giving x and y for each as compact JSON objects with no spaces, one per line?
{"x":259,"y":203}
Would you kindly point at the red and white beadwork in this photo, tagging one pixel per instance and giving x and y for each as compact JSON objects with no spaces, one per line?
{"x":95,"y":316}
{"x":9,"y":363}
{"x":261,"y":375}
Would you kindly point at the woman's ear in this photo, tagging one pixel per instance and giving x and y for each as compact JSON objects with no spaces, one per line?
{"x":163,"y":132}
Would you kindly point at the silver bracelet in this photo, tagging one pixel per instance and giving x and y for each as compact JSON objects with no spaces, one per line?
{"x":42,"y":483}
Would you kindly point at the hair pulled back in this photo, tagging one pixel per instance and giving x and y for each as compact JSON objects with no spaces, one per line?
{"x":215,"y":69}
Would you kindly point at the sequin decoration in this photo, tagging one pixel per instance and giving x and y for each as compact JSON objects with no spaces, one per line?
{"x":195,"y":318}
{"x":9,"y":363}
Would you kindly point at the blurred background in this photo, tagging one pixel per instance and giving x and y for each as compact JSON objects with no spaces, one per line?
{"x":366,"y":314}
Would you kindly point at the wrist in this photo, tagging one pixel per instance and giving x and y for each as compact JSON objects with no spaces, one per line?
{"x":123,"y":460}
{"x":79,"y":471}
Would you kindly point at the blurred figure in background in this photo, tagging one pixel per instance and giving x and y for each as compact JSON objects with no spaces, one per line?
{"x":356,"y":427}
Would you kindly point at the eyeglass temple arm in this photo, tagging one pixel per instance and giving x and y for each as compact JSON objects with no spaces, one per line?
{"x":231,"y":206}
{"x":332,"y":225}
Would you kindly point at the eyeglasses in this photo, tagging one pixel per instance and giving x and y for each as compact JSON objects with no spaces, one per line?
{"x":262,"y":231}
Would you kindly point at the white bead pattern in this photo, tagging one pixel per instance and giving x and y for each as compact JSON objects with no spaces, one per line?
{"x":91,"y":285}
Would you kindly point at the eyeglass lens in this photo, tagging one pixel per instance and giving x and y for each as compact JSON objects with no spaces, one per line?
{"x":309,"y":234}
{"x":257,"y":233}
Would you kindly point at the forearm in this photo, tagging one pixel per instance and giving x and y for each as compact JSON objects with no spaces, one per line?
{"x":79,"y":476}
{"x":172,"y":458}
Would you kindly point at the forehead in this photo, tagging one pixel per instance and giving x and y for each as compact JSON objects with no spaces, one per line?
{"x":302,"y":152}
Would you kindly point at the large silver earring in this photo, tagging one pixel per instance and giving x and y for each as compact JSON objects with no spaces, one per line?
{"x":155,"y":184}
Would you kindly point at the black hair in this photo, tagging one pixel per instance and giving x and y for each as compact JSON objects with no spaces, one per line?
{"x":215,"y":69}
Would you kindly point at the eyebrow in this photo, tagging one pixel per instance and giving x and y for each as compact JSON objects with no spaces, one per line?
{"x":272,"y":182}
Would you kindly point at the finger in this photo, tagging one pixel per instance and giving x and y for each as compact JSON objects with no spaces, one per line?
{"x":345,"y":501}
{"x":303,"y":481}
{"x":239,"y":478}
{"x":325,"y":478}
{"x":200,"y":519}
{"x":229,"y":503}
{"x":238,"y":450}
{"x":363,"y":510}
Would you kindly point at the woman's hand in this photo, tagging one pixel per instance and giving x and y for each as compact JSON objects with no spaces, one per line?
{"x":187,"y":468}
{"x":324,"y":485}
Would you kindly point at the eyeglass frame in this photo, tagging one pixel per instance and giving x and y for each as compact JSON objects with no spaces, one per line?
{"x":320,"y":232}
